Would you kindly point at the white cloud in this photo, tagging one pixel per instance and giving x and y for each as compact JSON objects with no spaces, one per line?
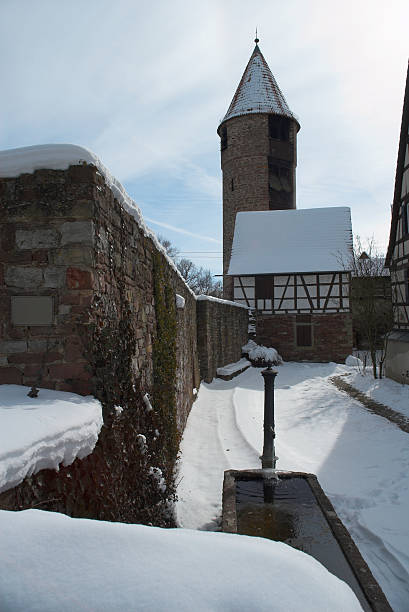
{"x":145,"y":86}
{"x":180,"y":230}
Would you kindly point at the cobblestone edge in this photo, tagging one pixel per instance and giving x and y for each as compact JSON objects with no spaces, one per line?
{"x":372,"y":405}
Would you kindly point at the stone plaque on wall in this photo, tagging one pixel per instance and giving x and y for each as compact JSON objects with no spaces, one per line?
{"x":32,"y":310}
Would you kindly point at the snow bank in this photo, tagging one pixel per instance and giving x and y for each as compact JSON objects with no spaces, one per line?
{"x":351,"y":360}
{"x":14,"y":162}
{"x":383,"y":390}
{"x":53,"y":562}
{"x":42,"y":432}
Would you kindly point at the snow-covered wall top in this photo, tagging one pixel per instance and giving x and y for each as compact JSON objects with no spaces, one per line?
{"x":14,"y":162}
{"x":211,"y":298}
{"x":290,"y":241}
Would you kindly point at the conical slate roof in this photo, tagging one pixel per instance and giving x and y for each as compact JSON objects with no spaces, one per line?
{"x":258,"y":91}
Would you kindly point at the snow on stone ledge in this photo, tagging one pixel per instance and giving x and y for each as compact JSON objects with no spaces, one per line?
{"x":37,"y":433}
{"x":231,"y":368}
{"x":14,"y":162}
{"x":67,"y":564}
{"x":211,"y":298}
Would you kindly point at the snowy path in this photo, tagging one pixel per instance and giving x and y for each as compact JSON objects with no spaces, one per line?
{"x":361,"y":460}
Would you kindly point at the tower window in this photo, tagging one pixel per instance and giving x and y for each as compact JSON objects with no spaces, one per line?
{"x":223,"y":138}
{"x":278,"y":127}
{"x":232,"y":184}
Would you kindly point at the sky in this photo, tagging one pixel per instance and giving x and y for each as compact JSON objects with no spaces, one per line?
{"x":144,"y":86}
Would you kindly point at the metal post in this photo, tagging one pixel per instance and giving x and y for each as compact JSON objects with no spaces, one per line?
{"x":268,"y":458}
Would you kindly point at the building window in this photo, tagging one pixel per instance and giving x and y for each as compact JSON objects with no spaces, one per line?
{"x":223,"y":138}
{"x":232,"y":184}
{"x":405,"y":219}
{"x":407,"y":285}
{"x":303,"y":326}
{"x":264,"y":287}
{"x":279,"y":127}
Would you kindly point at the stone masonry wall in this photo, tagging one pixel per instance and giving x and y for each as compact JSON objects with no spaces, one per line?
{"x":64,"y":235}
{"x":331,"y":334}
{"x":47,"y":249}
{"x":222,"y":329}
{"x":114,"y":331}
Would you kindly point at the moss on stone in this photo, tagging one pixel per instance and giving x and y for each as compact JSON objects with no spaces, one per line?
{"x":164,"y":363}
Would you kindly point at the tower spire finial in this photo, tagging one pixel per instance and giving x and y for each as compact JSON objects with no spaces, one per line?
{"x":256,"y":40}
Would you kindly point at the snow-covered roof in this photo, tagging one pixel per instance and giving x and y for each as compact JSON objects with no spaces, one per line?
{"x":289,"y":241}
{"x":258,"y":91}
{"x":42,"y":432}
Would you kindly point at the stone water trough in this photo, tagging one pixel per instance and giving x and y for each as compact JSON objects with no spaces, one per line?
{"x":294,"y":509}
{"x":291,"y":507}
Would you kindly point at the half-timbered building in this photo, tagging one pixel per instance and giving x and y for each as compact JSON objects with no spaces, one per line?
{"x":397,"y":258}
{"x":291,"y":267}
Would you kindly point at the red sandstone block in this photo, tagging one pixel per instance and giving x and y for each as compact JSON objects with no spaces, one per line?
{"x":69,"y":370}
{"x":77,"y":309}
{"x":42,"y":330}
{"x":25,"y":358}
{"x":70,"y":298}
{"x":32,"y":370}
{"x":14,"y":333}
{"x":76,"y":386}
{"x":7,"y":240}
{"x":82,"y":174}
{"x":52,"y":356}
{"x":78,"y":279}
{"x":86,"y":300}
{"x":10,"y":376}
{"x":43,"y":384}
{"x":28,"y":195}
{"x":74,"y":352}
{"x":40,"y":256}
{"x":31,"y":381}
{"x":19,"y":257}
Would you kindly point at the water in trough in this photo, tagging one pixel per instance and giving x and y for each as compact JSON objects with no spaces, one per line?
{"x":286,"y":510}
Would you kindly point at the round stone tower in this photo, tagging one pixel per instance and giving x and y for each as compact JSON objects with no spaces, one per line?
{"x":258,"y":141}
